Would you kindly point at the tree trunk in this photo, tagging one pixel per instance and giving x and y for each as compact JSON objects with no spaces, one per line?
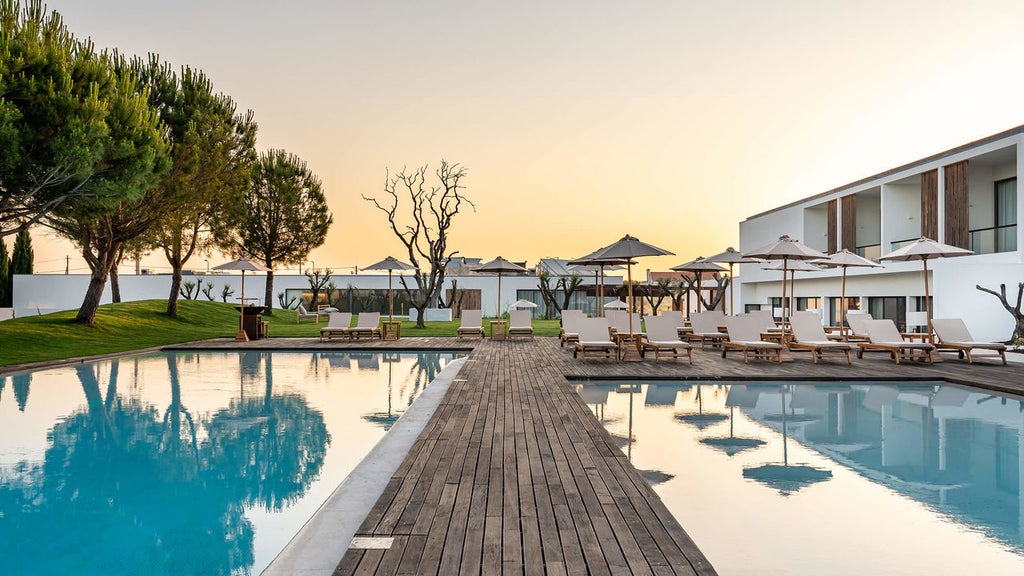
{"x":91,"y":303}
{"x":420,"y":323}
{"x":115,"y":286}
{"x":172,"y":298}
{"x":269,"y":294}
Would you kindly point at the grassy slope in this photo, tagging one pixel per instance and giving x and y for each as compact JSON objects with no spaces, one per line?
{"x":135,"y":325}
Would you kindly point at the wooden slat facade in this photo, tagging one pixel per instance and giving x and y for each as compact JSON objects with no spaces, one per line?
{"x":833,"y":225}
{"x":957,"y":207}
{"x":848,"y":213}
{"x":930,"y":204}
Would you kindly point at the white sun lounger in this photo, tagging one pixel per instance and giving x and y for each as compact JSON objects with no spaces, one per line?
{"x":570,"y":331}
{"x":520,"y":323}
{"x":745,"y":334}
{"x":953,"y":334}
{"x":594,"y":340}
{"x":883,"y":335}
{"x":337,"y":323}
{"x":367,"y":324}
{"x":705,"y":327}
{"x":471,"y":324}
{"x":663,"y":339}
{"x":808,"y":334}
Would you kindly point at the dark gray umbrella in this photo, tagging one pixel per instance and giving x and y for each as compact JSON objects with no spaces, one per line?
{"x":626,"y":249}
{"x":845,"y":259}
{"x":922,"y":249}
{"x":731,"y":256}
{"x":245,"y":265}
{"x":499,"y":265}
{"x":785,"y":249}
{"x":390,"y":264}
{"x":700,"y":265}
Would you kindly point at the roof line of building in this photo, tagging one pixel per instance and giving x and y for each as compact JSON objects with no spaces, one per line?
{"x":952,"y":151}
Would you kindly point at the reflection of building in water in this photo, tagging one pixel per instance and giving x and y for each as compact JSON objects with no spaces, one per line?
{"x":959,"y":450}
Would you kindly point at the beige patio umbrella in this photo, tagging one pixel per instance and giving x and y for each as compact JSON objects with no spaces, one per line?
{"x":499,"y":265}
{"x":245,"y":265}
{"x":845,"y":259}
{"x":700,"y":265}
{"x":627,"y":249}
{"x":390,"y":264}
{"x":922,"y":249}
{"x":785,"y":249}
{"x":731,"y":256}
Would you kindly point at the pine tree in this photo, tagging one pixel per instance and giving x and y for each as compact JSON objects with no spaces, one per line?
{"x":22,"y":259}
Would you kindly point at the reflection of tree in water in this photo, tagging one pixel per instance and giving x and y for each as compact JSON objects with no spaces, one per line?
{"x":137,"y":493}
{"x":21,"y":385}
{"x":268,"y":449}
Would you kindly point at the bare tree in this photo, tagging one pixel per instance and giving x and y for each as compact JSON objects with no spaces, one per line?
{"x":716,"y":299}
{"x":1014,"y":310}
{"x":421,"y":216}
{"x":565,"y":286}
{"x":318,"y":280}
{"x":656,"y":293}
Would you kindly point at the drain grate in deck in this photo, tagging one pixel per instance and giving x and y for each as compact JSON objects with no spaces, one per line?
{"x":371,"y":543}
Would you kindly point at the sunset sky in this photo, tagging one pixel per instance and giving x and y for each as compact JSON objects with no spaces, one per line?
{"x":581,"y":121}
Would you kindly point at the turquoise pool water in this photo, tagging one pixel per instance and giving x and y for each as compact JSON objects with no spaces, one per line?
{"x":783,"y":478}
{"x":186,"y":463}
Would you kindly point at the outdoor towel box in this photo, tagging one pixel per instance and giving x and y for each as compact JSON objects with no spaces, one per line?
{"x":432,"y":314}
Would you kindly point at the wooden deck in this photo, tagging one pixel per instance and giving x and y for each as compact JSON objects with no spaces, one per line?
{"x":513,"y":474}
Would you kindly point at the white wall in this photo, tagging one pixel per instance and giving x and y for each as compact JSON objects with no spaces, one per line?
{"x":815,"y":232}
{"x":869,"y":219}
{"x":45,"y":293}
{"x":901,"y":213}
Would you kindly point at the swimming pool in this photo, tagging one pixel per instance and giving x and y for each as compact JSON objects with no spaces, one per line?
{"x":844,"y":478}
{"x":186,"y":463}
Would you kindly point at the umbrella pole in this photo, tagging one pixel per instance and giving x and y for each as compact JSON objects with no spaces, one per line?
{"x":785,"y":270}
{"x":600,"y":297}
{"x":499,"y":296}
{"x":732,"y":306}
{"x":242,"y":336}
{"x":927,"y":303}
{"x":629,"y":290}
{"x":698,"y":291}
{"x":842,"y":307}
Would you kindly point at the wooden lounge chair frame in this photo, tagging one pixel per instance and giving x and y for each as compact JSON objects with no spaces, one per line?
{"x":662,"y":338}
{"x":744,"y":334}
{"x":570,"y":319}
{"x":471,"y":324}
{"x":814,"y":337}
{"x":961,"y":341}
{"x":337,"y":323}
{"x":595,"y":340}
{"x":881,"y":335}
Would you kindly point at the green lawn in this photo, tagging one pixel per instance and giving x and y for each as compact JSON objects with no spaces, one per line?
{"x":135,"y":325}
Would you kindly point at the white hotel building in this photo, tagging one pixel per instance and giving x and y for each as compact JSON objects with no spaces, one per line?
{"x":966,"y":197}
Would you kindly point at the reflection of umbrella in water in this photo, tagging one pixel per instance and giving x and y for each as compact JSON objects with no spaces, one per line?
{"x":700,"y":419}
{"x":732,"y":444}
{"x":386,"y":419}
{"x":785,"y":477}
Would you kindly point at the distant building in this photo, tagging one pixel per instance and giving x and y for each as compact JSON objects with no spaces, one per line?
{"x":965,"y":197}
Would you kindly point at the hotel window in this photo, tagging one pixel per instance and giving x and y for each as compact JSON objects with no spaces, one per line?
{"x":1002,"y":236}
